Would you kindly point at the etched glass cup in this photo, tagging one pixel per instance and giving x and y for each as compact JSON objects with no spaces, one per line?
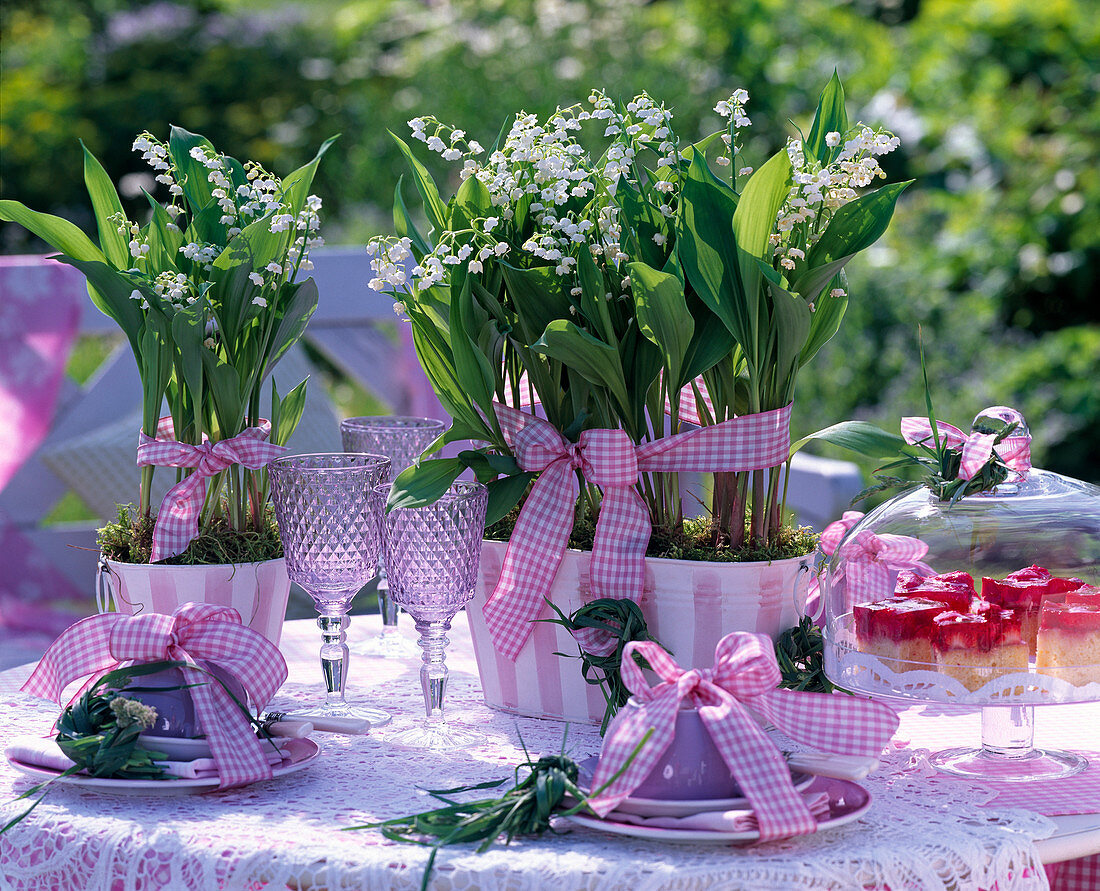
{"x":402,"y":440}
{"x":328,"y":522}
{"x":432,"y":554}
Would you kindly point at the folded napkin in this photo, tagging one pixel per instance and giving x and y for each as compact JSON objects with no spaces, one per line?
{"x":721,"y":821}
{"x":39,"y":752}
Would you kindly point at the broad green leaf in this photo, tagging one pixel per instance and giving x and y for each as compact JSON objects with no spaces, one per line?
{"x":295,"y":317}
{"x":188,"y":332}
{"x":594,"y":296}
{"x":710,"y":343}
{"x":471,"y":366}
{"x":225,"y":386}
{"x":110,"y":292}
{"x":540,"y":296}
{"x":643,"y":221}
{"x":593,"y":359}
{"x":164,"y":243}
{"x":663,"y":317}
{"x":828,"y":314}
{"x":642,"y":361}
{"x":753,"y":222}
{"x":504,"y":494}
{"x":403,"y":224}
{"x":155,"y":368}
{"x":105,"y":203}
{"x":489,"y":461}
{"x":831,"y":116}
{"x":790,"y":327}
{"x":855,"y":226}
{"x":286,"y":412}
{"x":857,"y":436}
{"x":424,"y":482}
{"x":707,"y":252}
{"x":193,"y":176}
{"x":472,"y":202}
{"x":296,"y":185}
{"x":811,"y":282}
{"x":434,"y":208}
{"x":59,"y":234}
{"x":438,"y":363}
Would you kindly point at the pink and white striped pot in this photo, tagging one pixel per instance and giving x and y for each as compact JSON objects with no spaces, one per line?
{"x":688,"y":605}
{"x":258,"y":591}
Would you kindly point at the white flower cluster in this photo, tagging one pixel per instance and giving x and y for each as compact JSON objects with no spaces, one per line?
{"x":734,"y":109}
{"x":820,"y":189}
{"x":542,"y":173}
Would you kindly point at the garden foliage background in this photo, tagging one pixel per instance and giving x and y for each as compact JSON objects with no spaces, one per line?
{"x":995,"y":251}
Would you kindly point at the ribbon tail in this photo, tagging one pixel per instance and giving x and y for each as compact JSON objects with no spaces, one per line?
{"x":534,"y":552}
{"x":236,"y":749}
{"x":840,"y":724}
{"x":177,"y":520}
{"x":759,"y":768}
{"x":975,"y":452}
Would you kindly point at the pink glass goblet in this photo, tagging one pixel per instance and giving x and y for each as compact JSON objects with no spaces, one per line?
{"x":328,"y":522}
{"x":432,"y":555}
{"x":402,"y":440}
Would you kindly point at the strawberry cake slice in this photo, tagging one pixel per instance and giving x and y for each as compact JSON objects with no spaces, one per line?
{"x":975,"y":646}
{"x":1023,"y":591}
{"x":953,"y":589}
{"x":899,"y":627}
{"x":1069,"y":637}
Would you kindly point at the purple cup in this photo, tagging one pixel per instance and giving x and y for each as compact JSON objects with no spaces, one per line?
{"x":691,"y":769}
{"x":176,"y":715}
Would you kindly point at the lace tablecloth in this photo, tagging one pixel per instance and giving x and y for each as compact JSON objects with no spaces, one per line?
{"x":920,"y":833}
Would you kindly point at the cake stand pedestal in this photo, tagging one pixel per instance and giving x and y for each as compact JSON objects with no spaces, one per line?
{"x":1008,"y":752}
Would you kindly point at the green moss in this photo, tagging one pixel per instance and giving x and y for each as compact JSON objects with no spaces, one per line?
{"x":129,"y":539}
{"x":699,"y":539}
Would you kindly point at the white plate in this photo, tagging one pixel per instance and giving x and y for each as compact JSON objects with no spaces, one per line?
{"x":847,"y":802}
{"x":300,"y":752}
{"x":668,"y":807}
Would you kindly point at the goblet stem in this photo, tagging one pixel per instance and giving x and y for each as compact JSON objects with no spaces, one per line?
{"x":386,"y":606}
{"x":433,"y":673}
{"x":334,"y":659}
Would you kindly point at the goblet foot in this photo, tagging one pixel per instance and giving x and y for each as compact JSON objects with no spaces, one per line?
{"x":439,"y":737}
{"x":983,"y":764}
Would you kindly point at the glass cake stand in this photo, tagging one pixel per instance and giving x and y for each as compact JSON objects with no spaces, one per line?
{"x":1039,"y":519}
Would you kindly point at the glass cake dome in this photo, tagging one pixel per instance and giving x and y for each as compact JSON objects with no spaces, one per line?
{"x":990,"y":600}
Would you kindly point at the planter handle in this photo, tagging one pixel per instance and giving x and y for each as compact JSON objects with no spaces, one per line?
{"x":800,"y":607}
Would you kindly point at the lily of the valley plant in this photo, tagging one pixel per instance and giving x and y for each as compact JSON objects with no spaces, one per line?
{"x":206,"y":292}
{"x":608,"y":287}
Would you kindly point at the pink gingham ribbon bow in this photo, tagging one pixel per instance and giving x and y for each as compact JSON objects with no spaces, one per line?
{"x":194,"y":632}
{"x":608,"y":459}
{"x":742,"y":681}
{"x":178,"y":517}
{"x":869,"y":560}
{"x":1015,"y":450}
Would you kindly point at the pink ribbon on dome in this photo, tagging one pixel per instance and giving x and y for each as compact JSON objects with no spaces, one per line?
{"x":868,"y":559}
{"x":742,"y":682}
{"x":194,"y":632}
{"x":609,"y":459}
{"x":1015,"y":451}
{"x":178,"y":518}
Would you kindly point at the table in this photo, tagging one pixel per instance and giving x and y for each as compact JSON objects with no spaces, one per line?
{"x":921,"y":832}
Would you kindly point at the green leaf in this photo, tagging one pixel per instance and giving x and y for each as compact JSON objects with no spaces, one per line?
{"x":790,"y":327}
{"x":539,"y":295}
{"x":225,"y":386}
{"x":424,"y":482}
{"x":110,"y":292}
{"x":188,"y":332}
{"x":295,"y":316}
{"x":591,"y":358}
{"x":643,"y":221}
{"x":106,"y":204}
{"x":59,"y":234}
{"x":164,"y":243}
{"x":857,"y":436}
{"x":707,"y":253}
{"x":472,"y":202}
{"x":438,"y":363}
{"x":831,"y":116}
{"x":191,"y":174}
{"x":828,"y":314}
{"x":403,"y":224}
{"x":753,"y":222}
{"x":471,"y":365}
{"x":663,"y":317}
{"x":594,"y":305}
{"x":855,"y":226}
{"x":504,"y":494}
{"x":155,"y":368}
{"x":434,"y":208}
{"x":286,"y":412}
